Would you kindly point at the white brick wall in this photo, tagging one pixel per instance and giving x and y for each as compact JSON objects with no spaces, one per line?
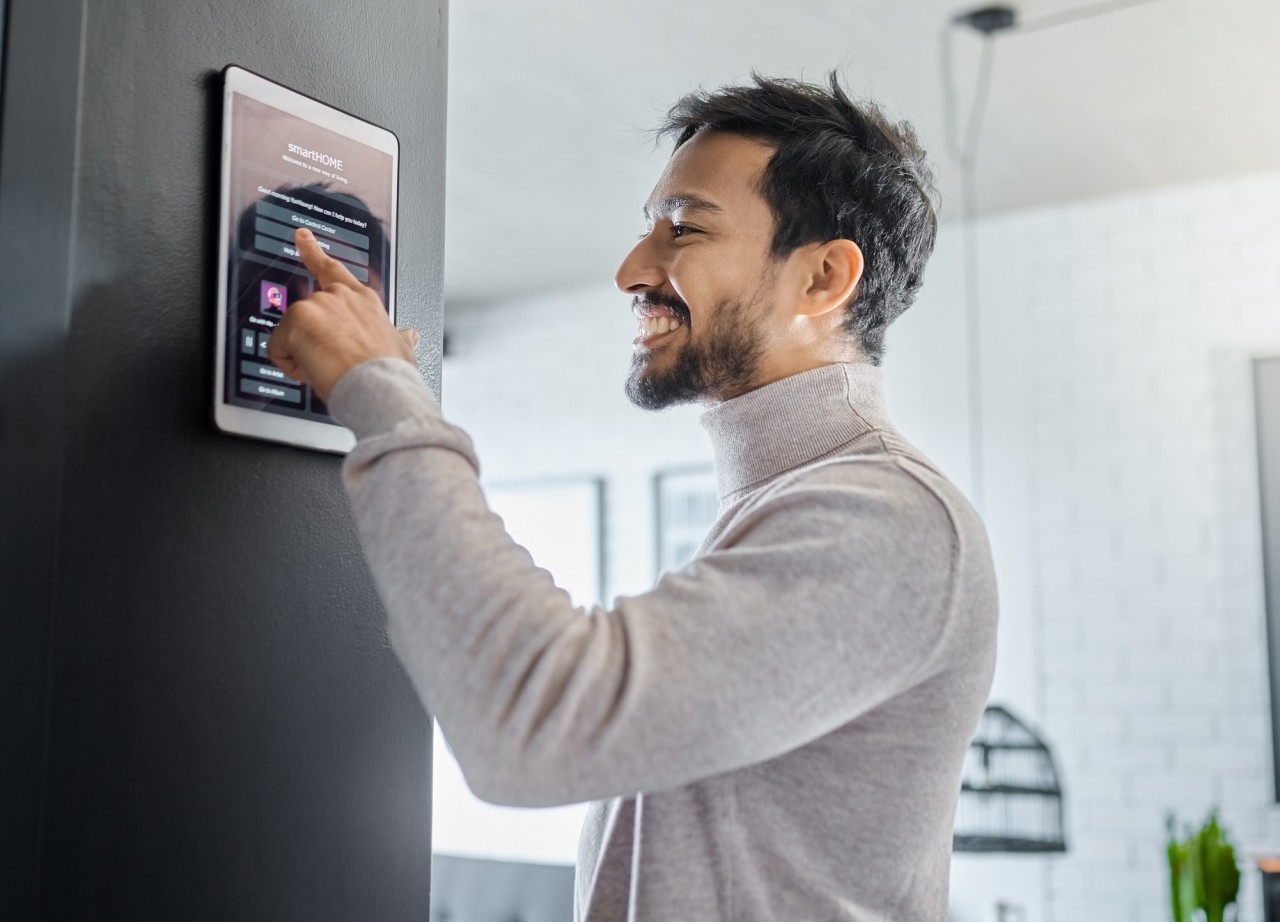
{"x":1141,"y":314}
{"x":1119,"y":489}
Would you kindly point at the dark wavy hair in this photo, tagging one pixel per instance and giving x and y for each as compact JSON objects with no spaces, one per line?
{"x":840,"y":169}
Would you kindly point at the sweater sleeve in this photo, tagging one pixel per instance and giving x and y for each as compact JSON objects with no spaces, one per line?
{"x":825,"y":600}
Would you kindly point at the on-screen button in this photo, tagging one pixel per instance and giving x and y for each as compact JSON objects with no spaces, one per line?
{"x":265,"y":370}
{"x":270,"y":391}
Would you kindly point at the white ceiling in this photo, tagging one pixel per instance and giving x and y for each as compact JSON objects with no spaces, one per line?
{"x":549,"y":105}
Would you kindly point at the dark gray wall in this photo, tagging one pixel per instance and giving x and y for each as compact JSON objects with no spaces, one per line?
{"x":199,"y":715}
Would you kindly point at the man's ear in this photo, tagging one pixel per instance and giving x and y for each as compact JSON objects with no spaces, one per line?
{"x":833,"y":271}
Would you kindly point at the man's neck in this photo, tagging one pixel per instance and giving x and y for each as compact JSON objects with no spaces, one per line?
{"x":792,"y":421}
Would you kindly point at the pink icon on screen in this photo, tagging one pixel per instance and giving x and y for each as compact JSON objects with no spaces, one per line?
{"x":274,"y":298}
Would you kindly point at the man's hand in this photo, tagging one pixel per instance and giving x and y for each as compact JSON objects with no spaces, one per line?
{"x":340,"y":326}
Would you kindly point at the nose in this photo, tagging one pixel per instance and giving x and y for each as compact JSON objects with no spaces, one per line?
{"x":640,"y":270}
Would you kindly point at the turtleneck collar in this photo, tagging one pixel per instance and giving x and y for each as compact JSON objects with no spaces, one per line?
{"x":782,"y":425}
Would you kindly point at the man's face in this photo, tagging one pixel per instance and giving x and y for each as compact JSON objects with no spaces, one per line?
{"x":703,"y":278}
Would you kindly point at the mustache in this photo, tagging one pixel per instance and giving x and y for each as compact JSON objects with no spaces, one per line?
{"x":658,"y":299}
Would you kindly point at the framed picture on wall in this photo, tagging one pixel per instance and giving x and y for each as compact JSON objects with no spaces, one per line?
{"x":1266,"y":380}
{"x":561,"y":524}
{"x":686,"y":505}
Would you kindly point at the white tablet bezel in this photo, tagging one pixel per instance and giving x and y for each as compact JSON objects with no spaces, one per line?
{"x":260,"y":424}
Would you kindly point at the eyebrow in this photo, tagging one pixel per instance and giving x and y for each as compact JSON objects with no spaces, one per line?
{"x":688,"y":202}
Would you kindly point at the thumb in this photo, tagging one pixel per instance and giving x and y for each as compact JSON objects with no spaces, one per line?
{"x":411,"y":337}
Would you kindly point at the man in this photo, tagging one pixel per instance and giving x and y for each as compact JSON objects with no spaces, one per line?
{"x":275,"y":297}
{"x":775,"y":732}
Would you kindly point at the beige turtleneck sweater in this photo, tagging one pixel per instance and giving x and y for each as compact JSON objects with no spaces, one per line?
{"x":774,"y":732}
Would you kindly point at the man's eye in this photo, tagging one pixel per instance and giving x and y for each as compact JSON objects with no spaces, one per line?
{"x":680,"y":230}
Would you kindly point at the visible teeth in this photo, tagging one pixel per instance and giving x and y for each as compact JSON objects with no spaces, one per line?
{"x":652,"y":326}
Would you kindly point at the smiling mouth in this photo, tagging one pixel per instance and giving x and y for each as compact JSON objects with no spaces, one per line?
{"x":656,"y":327}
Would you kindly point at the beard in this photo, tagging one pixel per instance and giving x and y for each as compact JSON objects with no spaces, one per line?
{"x":719,"y":365}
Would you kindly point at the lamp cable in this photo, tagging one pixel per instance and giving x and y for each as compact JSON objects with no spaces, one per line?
{"x":963,"y":147}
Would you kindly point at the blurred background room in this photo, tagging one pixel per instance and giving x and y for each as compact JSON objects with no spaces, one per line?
{"x":1083,"y":362}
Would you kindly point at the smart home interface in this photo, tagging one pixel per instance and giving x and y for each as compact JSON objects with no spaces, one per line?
{"x":289,"y":163}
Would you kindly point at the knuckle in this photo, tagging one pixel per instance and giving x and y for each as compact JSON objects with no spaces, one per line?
{"x":303,"y":311}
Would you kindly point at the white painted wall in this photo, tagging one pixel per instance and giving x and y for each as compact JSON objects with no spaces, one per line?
{"x":1119,"y":490}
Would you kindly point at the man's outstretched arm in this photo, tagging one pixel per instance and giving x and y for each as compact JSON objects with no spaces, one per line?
{"x":824,"y":602}
{"x":821,"y":603}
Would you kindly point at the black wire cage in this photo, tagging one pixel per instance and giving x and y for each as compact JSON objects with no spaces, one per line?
{"x":1010,"y":796}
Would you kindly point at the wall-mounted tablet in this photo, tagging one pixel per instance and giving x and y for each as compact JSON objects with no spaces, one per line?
{"x":289,"y":161}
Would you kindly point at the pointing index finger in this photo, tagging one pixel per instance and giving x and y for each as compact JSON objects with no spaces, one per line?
{"x":327,"y":270}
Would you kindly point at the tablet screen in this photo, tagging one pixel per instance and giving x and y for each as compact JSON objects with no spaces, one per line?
{"x":285,"y":173}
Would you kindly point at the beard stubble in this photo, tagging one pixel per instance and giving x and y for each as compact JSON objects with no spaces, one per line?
{"x":721,"y":364}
